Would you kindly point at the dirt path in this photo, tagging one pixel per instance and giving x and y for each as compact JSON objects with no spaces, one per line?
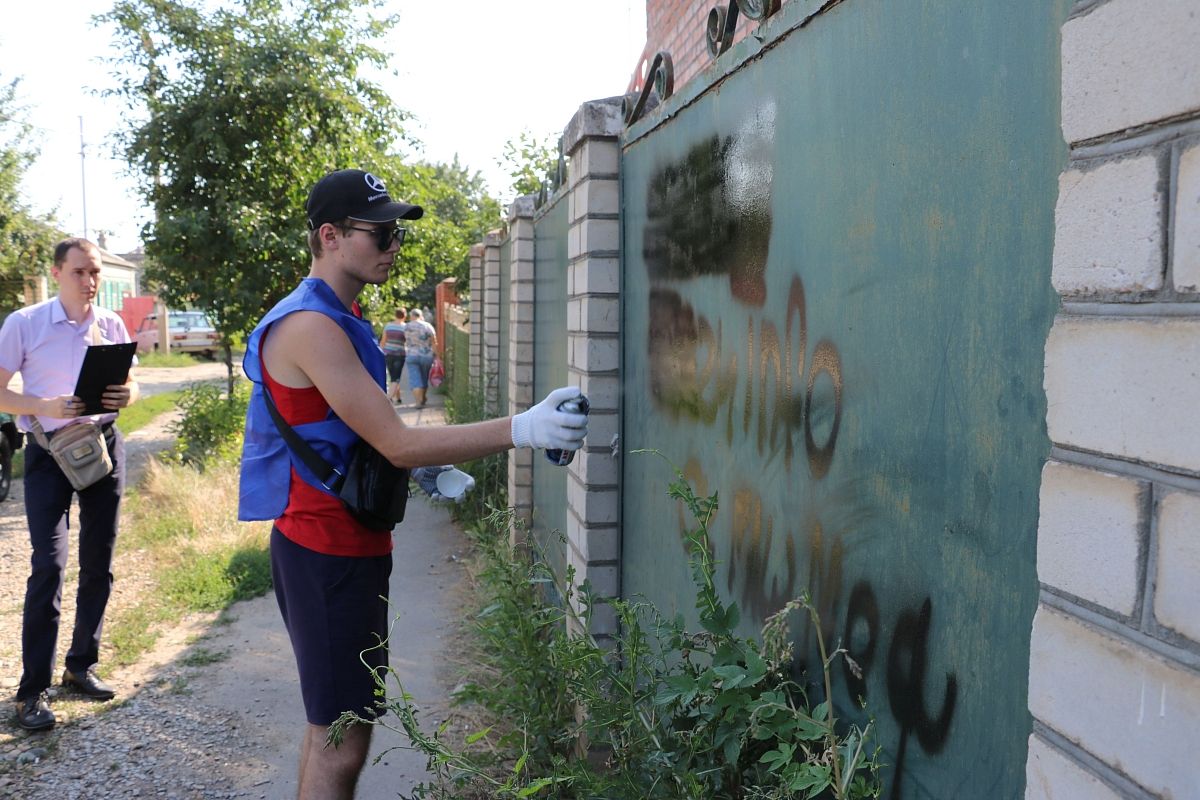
{"x":213,"y":711}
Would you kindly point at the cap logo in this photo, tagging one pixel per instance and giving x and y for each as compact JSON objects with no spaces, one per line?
{"x":374,"y":184}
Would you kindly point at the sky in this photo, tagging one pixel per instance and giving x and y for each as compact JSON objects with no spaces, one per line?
{"x":475,"y":73}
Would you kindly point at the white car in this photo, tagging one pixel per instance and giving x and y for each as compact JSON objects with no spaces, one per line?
{"x":190,"y":331}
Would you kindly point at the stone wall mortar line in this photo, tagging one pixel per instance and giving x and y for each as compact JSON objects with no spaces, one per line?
{"x":1186,"y":306}
{"x":1083,"y":8}
{"x":1172,"y":194}
{"x":602,"y":216}
{"x":1130,"y":621}
{"x":1147,"y":549}
{"x":1165,"y":203}
{"x":1149,"y":566}
{"x":596,"y":254}
{"x":1104,"y":773}
{"x":594,"y":176}
{"x":1173,"y":477}
{"x":1183,"y":656}
{"x":1133,"y":140}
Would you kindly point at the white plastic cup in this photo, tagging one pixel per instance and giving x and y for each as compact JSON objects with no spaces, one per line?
{"x":451,"y":483}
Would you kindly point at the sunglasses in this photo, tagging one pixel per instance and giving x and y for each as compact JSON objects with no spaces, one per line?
{"x":384,"y":235}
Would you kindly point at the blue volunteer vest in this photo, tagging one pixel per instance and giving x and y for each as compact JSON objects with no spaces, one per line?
{"x":266,"y":459}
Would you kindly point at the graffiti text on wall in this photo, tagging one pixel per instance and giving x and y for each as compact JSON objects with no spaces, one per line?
{"x":694,"y":374}
{"x":763,"y":571}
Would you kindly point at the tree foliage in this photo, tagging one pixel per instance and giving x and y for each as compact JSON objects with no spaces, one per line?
{"x":531,"y":161}
{"x":243,"y":108}
{"x":458,"y":212}
{"x":26,"y":239}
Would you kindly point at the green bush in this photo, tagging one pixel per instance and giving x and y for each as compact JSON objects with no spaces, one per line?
{"x":666,"y":713}
{"x":212,"y":423}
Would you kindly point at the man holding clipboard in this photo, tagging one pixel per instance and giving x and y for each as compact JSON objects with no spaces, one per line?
{"x":47,"y":343}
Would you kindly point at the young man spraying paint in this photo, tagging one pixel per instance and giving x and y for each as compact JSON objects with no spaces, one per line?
{"x":326,"y":375}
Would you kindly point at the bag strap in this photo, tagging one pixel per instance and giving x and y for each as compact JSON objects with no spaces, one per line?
{"x":39,"y":435}
{"x":97,"y":339}
{"x":331,"y":478}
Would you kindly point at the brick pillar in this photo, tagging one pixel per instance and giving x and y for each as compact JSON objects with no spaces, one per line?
{"x":491,"y":321}
{"x":1118,"y":555}
{"x":520,"y":355}
{"x":594,"y":348}
{"x":475,"y":320}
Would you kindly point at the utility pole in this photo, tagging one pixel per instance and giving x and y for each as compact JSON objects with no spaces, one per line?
{"x":83,"y":175}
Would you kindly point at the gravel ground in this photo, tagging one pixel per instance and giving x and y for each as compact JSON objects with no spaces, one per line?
{"x":156,"y":739}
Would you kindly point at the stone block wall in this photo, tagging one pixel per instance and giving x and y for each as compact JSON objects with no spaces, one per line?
{"x":594,"y":347}
{"x":520,"y":354}
{"x":491,"y":321}
{"x":1114,"y":686}
{"x":475,"y":309}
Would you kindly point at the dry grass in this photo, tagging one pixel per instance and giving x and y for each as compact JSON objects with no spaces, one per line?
{"x":182,"y":550}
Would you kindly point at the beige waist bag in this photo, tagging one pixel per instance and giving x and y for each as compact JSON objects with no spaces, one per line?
{"x":79,"y":450}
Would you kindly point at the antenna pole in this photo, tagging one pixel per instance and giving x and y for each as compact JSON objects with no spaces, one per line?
{"x":83,"y":175}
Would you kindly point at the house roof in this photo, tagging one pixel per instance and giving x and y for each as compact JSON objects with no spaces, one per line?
{"x":115,"y":260}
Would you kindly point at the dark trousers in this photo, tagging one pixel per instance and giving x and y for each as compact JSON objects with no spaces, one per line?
{"x":47,"y":509}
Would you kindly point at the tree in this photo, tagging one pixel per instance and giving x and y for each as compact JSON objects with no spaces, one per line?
{"x":458,"y":211}
{"x":26,"y":239}
{"x":245,"y":107}
{"x":532,"y":163}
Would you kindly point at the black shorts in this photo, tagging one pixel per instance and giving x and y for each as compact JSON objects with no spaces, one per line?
{"x":336,"y":613}
{"x":395,"y":365}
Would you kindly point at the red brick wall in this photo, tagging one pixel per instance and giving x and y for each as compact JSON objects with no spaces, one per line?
{"x":678,"y":26}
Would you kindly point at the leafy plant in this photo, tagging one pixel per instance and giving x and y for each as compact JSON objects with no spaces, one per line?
{"x":667,"y":712}
{"x":212,"y":422}
{"x":531,"y":162}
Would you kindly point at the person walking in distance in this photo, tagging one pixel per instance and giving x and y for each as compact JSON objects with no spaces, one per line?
{"x":320,"y":364}
{"x":392,"y":342}
{"x":420,"y":339}
{"x":46,"y":343}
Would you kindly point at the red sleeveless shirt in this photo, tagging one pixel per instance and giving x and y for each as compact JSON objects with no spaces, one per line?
{"x":312,"y":518}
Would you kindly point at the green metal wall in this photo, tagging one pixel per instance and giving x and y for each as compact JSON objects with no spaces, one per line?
{"x":550,"y":370}
{"x":457,"y":349}
{"x":836,"y":296}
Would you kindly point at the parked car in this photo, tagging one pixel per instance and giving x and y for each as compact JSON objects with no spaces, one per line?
{"x":11,"y":440}
{"x":191,"y":332}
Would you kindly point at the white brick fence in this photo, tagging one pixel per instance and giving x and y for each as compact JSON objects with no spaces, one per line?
{"x":1114,"y":673}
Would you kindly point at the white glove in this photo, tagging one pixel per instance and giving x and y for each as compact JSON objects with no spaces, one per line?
{"x":544,"y":426}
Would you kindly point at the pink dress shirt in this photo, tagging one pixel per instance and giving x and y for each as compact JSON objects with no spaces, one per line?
{"x":46,"y":347}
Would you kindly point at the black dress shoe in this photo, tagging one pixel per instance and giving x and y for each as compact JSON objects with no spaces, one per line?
{"x":34,"y":714}
{"x":88,"y":683}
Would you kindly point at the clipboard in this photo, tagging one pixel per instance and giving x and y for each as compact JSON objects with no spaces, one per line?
{"x":103,"y":365}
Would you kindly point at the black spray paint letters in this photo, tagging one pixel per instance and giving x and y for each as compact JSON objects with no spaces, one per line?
{"x":695,"y":375}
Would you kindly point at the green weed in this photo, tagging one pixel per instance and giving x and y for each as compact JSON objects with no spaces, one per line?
{"x":662,"y":712}
{"x":156,"y":359}
{"x":211,"y":581}
{"x":146,"y":410}
{"x":202,"y":656}
{"x":210,"y":429}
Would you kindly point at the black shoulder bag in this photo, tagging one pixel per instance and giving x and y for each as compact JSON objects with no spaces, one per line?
{"x":373,"y":490}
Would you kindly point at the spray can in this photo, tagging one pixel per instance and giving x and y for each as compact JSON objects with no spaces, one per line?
{"x":574,"y":405}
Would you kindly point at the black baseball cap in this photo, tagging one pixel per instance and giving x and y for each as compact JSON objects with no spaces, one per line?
{"x":354,"y":194}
